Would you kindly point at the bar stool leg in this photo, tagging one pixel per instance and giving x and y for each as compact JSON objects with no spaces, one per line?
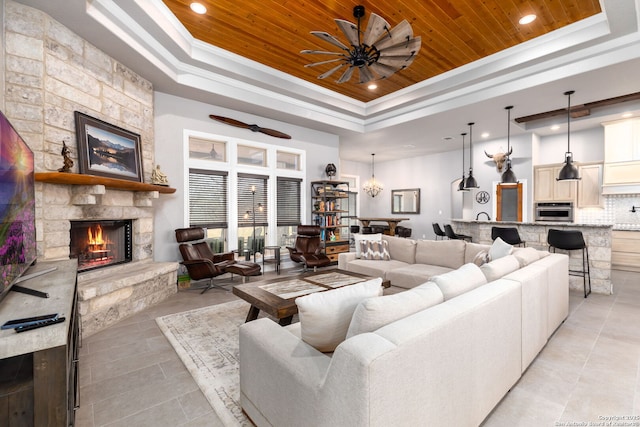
{"x":586,"y":272}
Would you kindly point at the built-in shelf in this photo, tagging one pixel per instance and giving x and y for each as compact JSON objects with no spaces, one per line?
{"x":82,"y":179}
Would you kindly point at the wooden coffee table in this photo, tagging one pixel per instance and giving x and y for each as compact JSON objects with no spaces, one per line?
{"x":276,"y":297}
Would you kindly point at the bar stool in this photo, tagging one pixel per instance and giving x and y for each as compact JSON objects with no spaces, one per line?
{"x":452,"y":235}
{"x":570,"y":240}
{"x":508,"y":234}
{"x":438,"y":231}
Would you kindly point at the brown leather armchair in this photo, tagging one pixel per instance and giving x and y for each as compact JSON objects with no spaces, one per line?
{"x":199,"y":260}
{"x":307,"y":248}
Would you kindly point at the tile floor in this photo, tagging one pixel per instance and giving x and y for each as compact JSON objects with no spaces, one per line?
{"x":130,"y":375}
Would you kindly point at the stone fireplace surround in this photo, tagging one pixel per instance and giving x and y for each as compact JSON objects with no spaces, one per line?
{"x":109,"y":294}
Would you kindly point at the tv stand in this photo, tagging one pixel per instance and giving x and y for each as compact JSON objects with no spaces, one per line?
{"x":29,"y":291}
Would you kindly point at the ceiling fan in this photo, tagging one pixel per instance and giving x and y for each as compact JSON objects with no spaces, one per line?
{"x":252,"y":128}
{"x":379,"y":53}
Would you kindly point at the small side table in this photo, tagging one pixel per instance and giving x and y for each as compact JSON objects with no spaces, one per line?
{"x":276,"y":257}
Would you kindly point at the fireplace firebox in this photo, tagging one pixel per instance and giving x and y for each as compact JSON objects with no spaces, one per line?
{"x":101,"y":243}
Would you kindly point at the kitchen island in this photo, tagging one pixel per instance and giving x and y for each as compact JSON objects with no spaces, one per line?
{"x":597,"y":236}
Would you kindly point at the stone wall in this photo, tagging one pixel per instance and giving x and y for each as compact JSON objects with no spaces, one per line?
{"x":51,"y":72}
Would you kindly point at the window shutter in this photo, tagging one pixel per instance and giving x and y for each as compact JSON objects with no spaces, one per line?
{"x":246,"y":199}
{"x":288,"y":200}
{"x":207,"y":199}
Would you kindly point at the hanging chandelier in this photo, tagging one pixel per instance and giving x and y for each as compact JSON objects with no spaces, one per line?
{"x":372,"y":187}
{"x":508,"y":176}
{"x":471,"y":181}
{"x":569,"y":171}
{"x":461,"y":186}
{"x":380,"y":52}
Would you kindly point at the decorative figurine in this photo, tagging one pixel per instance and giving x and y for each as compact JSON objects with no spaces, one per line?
{"x":68,"y":163}
{"x":330,"y":170}
{"x":158,"y":177}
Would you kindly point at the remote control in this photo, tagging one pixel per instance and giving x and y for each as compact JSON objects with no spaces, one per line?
{"x":40,"y":324}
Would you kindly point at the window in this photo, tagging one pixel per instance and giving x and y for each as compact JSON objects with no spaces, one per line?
{"x":252,"y":156}
{"x":208,"y":205}
{"x":252,"y":211}
{"x":203,"y":149}
{"x":290,"y":161}
{"x":288,"y":209}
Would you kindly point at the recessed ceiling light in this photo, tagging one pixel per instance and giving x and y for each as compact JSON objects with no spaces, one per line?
{"x":372,"y":86}
{"x":448,"y":138}
{"x":527,"y":19}
{"x":627,"y":115}
{"x":555,"y":127}
{"x":198,"y":8}
{"x":485,"y":135}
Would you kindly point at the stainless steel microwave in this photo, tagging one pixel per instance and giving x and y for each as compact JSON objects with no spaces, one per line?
{"x":554,"y":211}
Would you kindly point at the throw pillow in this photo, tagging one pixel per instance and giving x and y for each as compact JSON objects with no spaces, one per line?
{"x":481,"y":257}
{"x":373,"y":313}
{"x":372,"y":250}
{"x":357,"y":238}
{"x":526,"y":256}
{"x":497,"y":268}
{"x":325,"y":316}
{"x":457,"y":282}
{"x":499,"y":248}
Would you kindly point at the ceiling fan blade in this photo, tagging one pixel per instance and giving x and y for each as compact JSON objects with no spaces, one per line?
{"x":323,"y":62}
{"x":350,"y":30}
{"x":329,"y":38}
{"x":331,"y":71}
{"x":405,"y":47}
{"x":321,"y":52}
{"x":275,"y":133}
{"x":346,"y":75}
{"x":229,"y":121}
{"x":365,"y":74}
{"x":398,"y":62}
{"x":399,"y":33}
{"x":382,"y":70}
{"x":376,"y":27}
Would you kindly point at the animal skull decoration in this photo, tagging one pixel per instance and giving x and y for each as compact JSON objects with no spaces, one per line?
{"x":499,"y":158}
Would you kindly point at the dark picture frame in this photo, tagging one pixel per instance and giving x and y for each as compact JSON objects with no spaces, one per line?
{"x":107,"y":150}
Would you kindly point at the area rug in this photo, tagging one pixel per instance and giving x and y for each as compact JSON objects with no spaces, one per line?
{"x":206,"y":339}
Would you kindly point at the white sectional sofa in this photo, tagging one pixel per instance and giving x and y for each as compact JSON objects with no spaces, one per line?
{"x":448,"y":364}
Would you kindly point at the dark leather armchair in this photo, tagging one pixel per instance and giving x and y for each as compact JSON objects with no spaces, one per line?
{"x":307,"y":248}
{"x":199,"y":260}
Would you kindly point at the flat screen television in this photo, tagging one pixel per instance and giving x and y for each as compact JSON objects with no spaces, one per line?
{"x":17,"y":207}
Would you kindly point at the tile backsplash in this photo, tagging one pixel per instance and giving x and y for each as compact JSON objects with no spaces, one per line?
{"x":617,"y":211}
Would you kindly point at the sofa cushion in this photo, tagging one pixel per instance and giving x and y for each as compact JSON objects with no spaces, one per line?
{"x":526,"y":256}
{"x":500,"y":267}
{"x":412,"y":275}
{"x":376,"y":312}
{"x":499,"y":249}
{"x":471,"y":250}
{"x":325,"y":316}
{"x":374,"y":268}
{"x":445,"y":253}
{"x":401,"y":249}
{"x":372,"y":250}
{"x":357,"y":238}
{"x":459,"y":281}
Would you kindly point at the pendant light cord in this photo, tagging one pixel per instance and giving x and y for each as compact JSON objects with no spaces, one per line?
{"x":568,"y":93}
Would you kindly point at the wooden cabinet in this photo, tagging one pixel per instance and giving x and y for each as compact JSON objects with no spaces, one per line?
{"x":39,"y":385}
{"x":548,"y":189}
{"x":622,"y":152}
{"x":590,"y":186}
{"x":625,"y":250}
{"x":329,"y":204}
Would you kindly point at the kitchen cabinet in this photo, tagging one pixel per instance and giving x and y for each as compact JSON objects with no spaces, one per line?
{"x":590,"y":186}
{"x":625,"y":250}
{"x":622,"y":153}
{"x":548,"y":189}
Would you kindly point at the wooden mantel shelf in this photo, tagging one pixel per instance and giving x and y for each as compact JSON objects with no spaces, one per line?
{"x":82,"y":179}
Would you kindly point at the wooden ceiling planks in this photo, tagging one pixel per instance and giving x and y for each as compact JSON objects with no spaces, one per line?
{"x":454,"y":32}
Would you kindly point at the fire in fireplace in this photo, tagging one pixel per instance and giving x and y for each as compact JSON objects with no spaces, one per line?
{"x":101,"y":243}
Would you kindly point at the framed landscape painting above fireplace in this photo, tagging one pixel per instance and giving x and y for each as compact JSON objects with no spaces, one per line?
{"x":107,"y":150}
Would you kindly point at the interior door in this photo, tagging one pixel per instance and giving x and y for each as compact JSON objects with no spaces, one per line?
{"x":509,"y":202}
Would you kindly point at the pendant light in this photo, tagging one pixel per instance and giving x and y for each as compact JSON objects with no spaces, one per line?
{"x":471,"y":181}
{"x":569,"y":171}
{"x":508,"y":177}
{"x":372,"y":187}
{"x":462,"y":181}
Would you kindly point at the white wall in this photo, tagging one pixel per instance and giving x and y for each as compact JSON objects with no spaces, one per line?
{"x":586,"y":145}
{"x":174,"y":115}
